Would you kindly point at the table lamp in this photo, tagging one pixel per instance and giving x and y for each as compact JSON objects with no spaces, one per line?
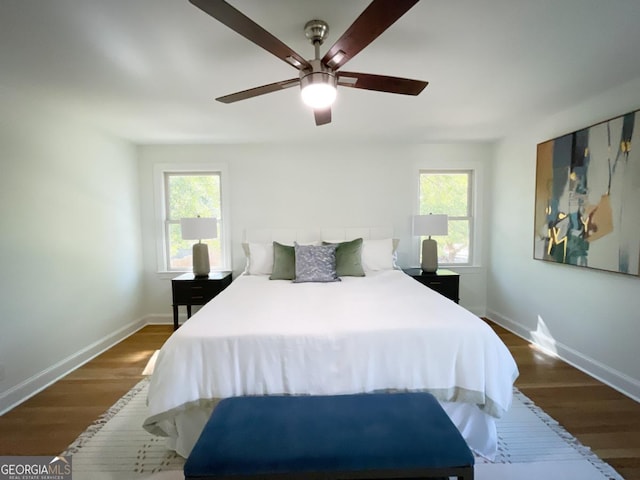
{"x":424,"y":225}
{"x":197,"y":229}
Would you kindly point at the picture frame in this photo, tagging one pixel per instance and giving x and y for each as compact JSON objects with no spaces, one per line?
{"x":587,"y":197}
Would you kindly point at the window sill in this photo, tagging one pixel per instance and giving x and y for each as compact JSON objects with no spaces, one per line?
{"x":176,"y":273}
{"x":166,"y":274}
{"x":458,"y":268}
{"x":464,"y":268}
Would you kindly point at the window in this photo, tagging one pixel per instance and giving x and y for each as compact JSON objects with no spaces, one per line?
{"x":186,"y":192}
{"x":450,"y":193}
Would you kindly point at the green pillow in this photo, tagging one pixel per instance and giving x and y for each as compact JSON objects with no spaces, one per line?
{"x":284,"y":262}
{"x":349,"y":258}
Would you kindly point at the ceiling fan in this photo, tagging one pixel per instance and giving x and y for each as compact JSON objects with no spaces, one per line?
{"x":319,"y":77}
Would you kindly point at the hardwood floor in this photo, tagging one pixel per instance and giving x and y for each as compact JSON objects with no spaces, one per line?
{"x":48,"y":422}
{"x":600,"y":417}
{"x":597,"y":415}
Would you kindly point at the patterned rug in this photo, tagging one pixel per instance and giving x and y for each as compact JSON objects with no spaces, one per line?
{"x":531,"y":445}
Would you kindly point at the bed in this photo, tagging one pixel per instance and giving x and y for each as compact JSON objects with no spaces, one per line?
{"x":383,"y":332}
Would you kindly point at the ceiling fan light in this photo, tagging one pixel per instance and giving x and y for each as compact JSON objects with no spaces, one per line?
{"x":318,"y":90}
{"x":319,"y":95}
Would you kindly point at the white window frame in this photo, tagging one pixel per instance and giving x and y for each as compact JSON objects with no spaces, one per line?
{"x":160,"y":198}
{"x":475,"y":198}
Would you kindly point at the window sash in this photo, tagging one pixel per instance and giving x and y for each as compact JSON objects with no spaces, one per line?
{"x":169,"y":222}
{"x":455,"y":218}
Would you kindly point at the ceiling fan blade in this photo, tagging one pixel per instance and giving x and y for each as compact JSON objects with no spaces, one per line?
{"x":257,"y":91}
{"x":323,"y":116}
{"x":381,"y":83}
{"x":240,"y":23}
{"x":376,"y":18}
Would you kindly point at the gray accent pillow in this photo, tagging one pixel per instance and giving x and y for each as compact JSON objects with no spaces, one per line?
{"x":284,"y":262}
{"x":315,"y":263}
{"x":349,"y":258}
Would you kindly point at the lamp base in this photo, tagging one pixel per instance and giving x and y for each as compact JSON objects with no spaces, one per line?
{"x":201,"y":267}
{"x":429,"y":256}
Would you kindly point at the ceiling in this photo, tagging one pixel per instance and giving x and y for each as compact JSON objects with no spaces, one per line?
{"x":149,"y":70}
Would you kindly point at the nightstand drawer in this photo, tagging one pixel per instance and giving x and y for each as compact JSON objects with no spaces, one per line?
{"x":445,"y":282}
{"x":195,"y":293}
{"x":445,"y":286}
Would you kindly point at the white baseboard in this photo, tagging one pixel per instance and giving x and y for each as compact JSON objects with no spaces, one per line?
{"x":38,"y":382}
{"x":477,"y":311}
{"x":610,"y":376}
{"x":167,"y":319}
{"x":161,"y":319}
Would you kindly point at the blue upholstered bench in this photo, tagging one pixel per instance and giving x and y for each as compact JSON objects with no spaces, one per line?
{"x":395,"y":435}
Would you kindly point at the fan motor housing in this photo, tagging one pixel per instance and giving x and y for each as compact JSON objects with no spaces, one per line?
{"x":319,"y":73}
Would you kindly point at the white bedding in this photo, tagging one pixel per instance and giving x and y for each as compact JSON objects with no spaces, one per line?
{"x":379,"y":332}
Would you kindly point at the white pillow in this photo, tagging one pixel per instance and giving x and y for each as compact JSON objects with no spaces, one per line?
{"x":259,"y":258}
{"x":378,"y":254}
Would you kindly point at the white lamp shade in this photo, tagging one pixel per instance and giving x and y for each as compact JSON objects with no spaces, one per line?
{"x":430,"y":225}
{"x":198,"y":228}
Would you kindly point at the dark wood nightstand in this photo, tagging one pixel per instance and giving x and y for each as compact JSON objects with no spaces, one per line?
{"x":191,"y":290}
{"x":443,"y":281}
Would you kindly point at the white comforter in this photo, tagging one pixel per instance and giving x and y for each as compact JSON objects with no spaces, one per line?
{"x":382,"y":331}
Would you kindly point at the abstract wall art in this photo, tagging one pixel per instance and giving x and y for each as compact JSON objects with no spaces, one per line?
{"x":587,"y":210}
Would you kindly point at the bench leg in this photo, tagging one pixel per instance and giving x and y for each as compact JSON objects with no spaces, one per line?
{"x":467,"y":474}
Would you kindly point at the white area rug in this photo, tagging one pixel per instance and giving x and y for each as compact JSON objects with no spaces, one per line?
{"x":531,"y":446}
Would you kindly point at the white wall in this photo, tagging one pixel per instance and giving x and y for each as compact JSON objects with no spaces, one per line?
{"x":301,"y":186}
{"x":591,"y":318}
{"x":69,"y":246}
